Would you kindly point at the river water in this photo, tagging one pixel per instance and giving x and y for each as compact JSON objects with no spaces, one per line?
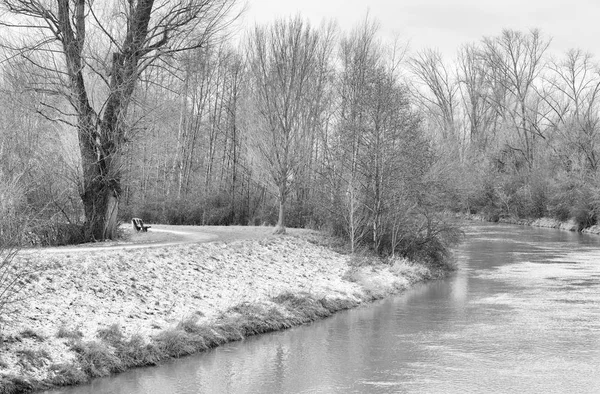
{"x":522,"y":315}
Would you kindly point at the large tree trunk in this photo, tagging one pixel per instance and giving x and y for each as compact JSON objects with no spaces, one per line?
{"x":101,"y":206}
{"x":101,"y":187}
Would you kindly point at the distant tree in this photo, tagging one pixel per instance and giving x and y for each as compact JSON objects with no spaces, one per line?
{"x":572,"y":92}
{"x":515,"y":61}
{"x":441,"y":90}
{"x":93,"y":53}
{"x":473,"y":90}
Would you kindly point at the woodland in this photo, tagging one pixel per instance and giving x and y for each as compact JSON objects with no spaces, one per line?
{"x":176,"y":113}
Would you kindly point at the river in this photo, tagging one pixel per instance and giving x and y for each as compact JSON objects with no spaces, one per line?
{"x":521,"y":315}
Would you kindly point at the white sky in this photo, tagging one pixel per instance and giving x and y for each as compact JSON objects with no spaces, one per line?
{"x":446,"y":25}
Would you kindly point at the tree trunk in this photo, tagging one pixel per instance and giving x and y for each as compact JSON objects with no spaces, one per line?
{"x":280,"y":227}
{"x":101,"y":181}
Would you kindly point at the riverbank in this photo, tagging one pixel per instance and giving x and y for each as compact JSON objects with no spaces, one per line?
{"x":545,"y":222}
{"x":99,"y":313}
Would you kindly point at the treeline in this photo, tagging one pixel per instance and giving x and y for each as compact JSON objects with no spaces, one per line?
{"x":519,"y":128}
{"x":290,"y":124}
{"x":310,"y":123}
{"x":296,"y":125}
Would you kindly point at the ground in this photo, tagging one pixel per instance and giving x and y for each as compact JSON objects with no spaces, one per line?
{"x":154,"y":281}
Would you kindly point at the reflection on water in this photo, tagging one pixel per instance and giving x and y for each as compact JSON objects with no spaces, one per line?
{"x":521,"y":315}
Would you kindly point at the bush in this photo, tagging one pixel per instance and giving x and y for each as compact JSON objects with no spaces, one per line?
{"x":574,"y":198}
{"x":429,"y":242}
{"x":54,"y":233}
{"x":14,"y":277}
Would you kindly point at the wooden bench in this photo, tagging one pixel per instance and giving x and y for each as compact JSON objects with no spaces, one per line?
{"x":138,"y":225}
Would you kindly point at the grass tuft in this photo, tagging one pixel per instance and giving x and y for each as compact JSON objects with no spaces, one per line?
{"x":32,"y":359}
{"x":29,"y":333}
{"x":11,"y":384}
{"x":64,"y":332}
{"x":97,"y":358}
{"x":67,"y":375}
{"x":337,"y":304}
{"x":302,"y":306}
{"x":228,"y":330}
{"x":111,"y":334}
{"x":136,"y":352}
{"x":210,"y":337}
{"x":251,"y":319}
{"x":178,"y":343}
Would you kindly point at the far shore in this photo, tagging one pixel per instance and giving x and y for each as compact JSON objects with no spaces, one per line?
{"x":103,"y":311}
{"x":544,"y":222}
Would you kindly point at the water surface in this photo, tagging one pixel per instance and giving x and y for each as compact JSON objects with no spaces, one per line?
{"x":520,"y":316}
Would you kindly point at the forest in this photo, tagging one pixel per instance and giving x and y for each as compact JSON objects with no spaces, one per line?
{"x":175,"y":113}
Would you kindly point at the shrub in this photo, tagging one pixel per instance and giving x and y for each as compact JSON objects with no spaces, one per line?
{"x":13,"y":273}
{"x":54,"y":233}
{"x":14,"y":277}
{"x":574,"y":198}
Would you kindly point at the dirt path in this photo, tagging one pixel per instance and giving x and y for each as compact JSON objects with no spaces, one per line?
{"x":161,"y":235}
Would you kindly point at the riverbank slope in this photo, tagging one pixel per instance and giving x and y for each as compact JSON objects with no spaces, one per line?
{"x":97,"y":313}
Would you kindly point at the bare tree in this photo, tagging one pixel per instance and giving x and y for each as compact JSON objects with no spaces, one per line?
{"x":359,"y":56}
{"x":515,"y":61}
{"x":473,"y":90}
{"x":441,"y":93}
{"x":283,"y":60}
{"x":573,"y":94}
{"x":81,"y":45}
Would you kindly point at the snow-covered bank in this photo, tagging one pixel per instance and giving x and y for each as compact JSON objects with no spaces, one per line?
{"x":101,"y":301}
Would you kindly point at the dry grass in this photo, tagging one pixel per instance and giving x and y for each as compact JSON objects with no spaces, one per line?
{"x":12,"y":384}
{"x":97,"y":358}
{"x":64,"y":332}
{"x":30,"y":359}
{"x":66,"y":375}
{"x":111,"y":334}
{"x":32,"y":334}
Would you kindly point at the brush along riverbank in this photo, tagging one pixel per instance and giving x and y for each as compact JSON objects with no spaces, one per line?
{"x":100,"y":313}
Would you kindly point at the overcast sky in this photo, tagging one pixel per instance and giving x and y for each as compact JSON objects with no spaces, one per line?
{"x":446,"y":25}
